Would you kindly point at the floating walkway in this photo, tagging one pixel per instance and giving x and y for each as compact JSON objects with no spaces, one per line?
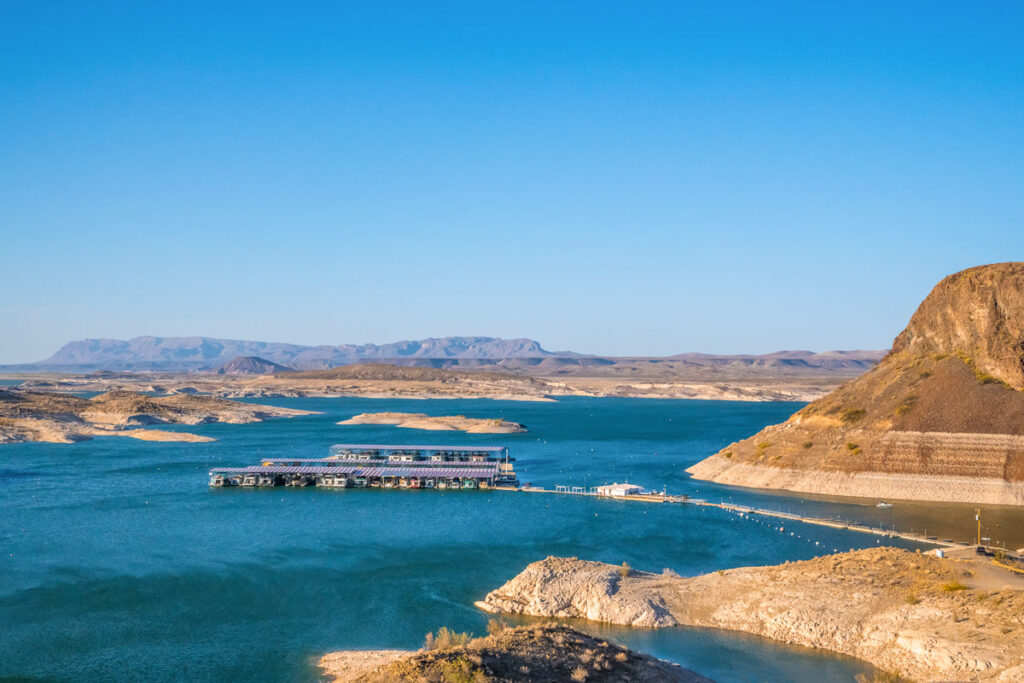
{"x":654,"y":497}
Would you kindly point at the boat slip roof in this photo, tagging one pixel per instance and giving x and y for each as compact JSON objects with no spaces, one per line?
{"x":390,"y":447}
{"x":418,"y":463}
{"x":477,"y":472}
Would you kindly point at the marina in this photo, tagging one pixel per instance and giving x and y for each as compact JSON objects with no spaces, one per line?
{"x":381,"y":466}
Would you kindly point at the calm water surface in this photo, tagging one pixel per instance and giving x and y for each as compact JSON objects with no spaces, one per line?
{"x":120,"y":563}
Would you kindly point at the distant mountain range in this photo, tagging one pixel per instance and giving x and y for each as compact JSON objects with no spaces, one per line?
{"x":206,"y":353}
{"x":519,"y":356}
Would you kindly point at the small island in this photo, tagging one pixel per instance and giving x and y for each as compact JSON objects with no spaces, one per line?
{"x":470,"y":425}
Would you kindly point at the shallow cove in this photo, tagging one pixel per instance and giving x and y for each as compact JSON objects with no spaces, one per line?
{"x":121,"y":563}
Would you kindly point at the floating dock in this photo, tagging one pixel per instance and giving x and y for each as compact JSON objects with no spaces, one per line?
{"x":381,"y":466}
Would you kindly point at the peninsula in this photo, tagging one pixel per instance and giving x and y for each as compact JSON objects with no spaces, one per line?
{"x":940,"y":418}
{"x":924,"y":617}
{"x":63,"y":418}
{"x":509,"y":655}
{"x":470,"y":425}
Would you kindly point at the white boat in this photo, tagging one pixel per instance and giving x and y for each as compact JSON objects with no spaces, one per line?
{"x":883,"y":504}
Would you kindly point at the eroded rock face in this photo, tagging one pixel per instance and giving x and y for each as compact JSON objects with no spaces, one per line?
{"x":560,"y":587}
{"x":978,"y":312}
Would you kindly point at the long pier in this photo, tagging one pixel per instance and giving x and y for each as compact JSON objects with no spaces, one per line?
{"x":745,"y":510}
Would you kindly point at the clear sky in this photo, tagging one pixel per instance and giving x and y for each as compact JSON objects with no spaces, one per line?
{"x":624,"y":178}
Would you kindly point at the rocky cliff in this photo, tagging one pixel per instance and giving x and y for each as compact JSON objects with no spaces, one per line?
{"x":940,"y":418}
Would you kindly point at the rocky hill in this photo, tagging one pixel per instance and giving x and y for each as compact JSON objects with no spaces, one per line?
{"x":940,"y":418}
{"x":526,"y":653}
{"x":251,"y":365}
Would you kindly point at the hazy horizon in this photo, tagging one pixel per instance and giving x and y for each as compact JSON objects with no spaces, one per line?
{"x":626,"y":181}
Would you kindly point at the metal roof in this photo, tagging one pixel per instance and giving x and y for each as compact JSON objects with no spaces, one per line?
{"x":329,"y":462}
{"x":473,"y":472}
{"x":391,"y":447}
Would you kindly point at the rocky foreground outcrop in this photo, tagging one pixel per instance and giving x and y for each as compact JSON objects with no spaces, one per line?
{"x":470,"y":425}
{"x":926,"y":618}
{"x":531,"y":653}
{"x":940,"y":418}
{"x":64,"y":418}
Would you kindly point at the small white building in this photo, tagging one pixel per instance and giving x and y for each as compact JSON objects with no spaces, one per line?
{"x":618,"y":490}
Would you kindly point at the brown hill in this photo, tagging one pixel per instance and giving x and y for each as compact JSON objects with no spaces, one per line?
{"x":940,"y":418}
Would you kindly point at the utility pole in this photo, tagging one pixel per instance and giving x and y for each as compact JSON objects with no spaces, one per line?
{"x":977,"y":518}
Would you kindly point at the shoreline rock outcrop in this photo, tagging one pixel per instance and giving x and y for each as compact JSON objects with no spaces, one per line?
{"x":924,"y":617}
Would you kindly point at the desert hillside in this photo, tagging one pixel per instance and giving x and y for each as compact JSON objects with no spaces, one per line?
{"x":940,"y":418}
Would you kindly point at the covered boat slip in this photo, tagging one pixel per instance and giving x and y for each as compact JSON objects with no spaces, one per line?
{"x":378,"y":466}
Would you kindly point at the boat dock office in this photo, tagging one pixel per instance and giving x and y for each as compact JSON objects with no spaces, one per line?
{"x":381,"y":466}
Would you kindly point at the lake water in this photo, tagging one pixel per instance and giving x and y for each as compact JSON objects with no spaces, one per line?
{"x":120,"y":563}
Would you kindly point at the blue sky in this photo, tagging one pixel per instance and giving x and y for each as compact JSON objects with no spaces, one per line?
{"x":633,"y":178}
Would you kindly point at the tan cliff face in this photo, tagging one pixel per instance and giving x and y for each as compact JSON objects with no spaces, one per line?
{"x":940,"y":418}
{"x":978,"y":312}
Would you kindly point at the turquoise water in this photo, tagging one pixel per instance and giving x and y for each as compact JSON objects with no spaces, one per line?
{"x":120,"y":563}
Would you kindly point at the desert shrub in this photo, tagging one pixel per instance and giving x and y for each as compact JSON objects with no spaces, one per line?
{"x":625,"y":569}
{"x":764,"y":445}
{"x":621,"y":657}
{"x":496,"y":626}
{"x":728,"y":454}
{"x":907,"y":404}
{"x":953,"y":586}
{"x":807,"y":444}
{"x":852,"y":415}
{"x":912,"y":598}
{"x":445,"y":639}
{"x":579,"y":674}
{"x":986,"y":378}
{"x":461,"y":670}
{"x":852,"y":447}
